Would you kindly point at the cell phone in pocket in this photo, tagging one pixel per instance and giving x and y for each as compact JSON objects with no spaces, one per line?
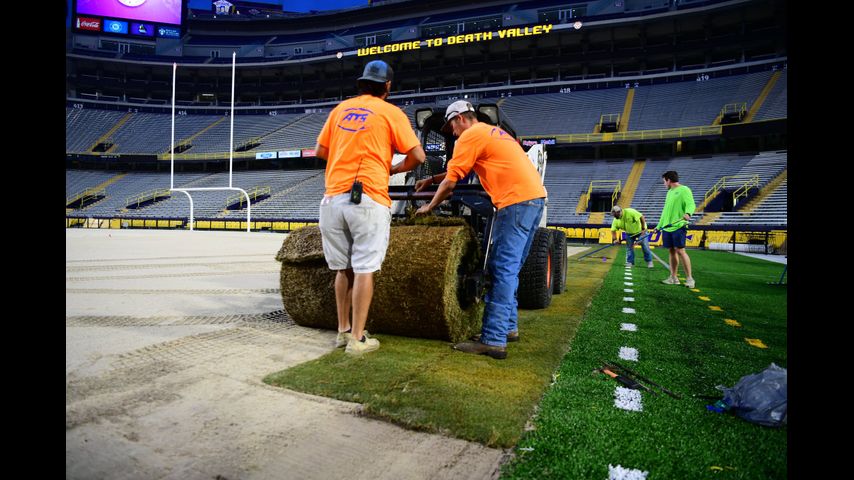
{"x":356,"y":192}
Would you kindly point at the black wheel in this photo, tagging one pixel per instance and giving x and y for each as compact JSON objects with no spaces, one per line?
{"x":535,"y":286}
{"x":559,"y":263}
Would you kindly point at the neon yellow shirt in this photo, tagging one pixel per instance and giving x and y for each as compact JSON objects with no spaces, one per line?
{"x":630,"y":222}
{"x":679,"y":201}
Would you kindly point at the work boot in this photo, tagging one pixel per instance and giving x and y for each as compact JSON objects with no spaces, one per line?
{"x":689,"y":282}
{"x":671,"y":281}
{"x":478,"y":348}
{"x":511,"y":337}
{"x":649,"y":264}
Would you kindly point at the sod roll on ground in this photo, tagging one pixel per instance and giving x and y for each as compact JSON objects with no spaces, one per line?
{"x":416,"y":294}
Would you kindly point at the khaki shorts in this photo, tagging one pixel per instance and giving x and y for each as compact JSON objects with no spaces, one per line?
{"x":354,"y":236}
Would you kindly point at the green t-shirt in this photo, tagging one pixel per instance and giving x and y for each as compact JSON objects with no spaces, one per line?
{"x":679,"y":201}
{"x":630,"y":222}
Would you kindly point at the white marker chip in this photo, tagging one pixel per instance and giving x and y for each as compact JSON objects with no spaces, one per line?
{"x":629,"y":353}
{"x":620,"y":473}
{"x":628,"y":399}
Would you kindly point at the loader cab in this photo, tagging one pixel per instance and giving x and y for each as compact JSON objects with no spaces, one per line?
{"x":438,"y":146}
{"x":544,"y":270}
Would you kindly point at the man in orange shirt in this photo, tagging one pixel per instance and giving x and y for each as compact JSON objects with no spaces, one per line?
{"x":358,"y":142}
{"x":514,"y":186}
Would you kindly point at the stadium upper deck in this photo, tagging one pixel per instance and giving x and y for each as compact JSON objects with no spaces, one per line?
{"x":295,"y":60}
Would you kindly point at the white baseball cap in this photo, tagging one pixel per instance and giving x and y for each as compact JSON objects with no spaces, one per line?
{"x":453,"y":110}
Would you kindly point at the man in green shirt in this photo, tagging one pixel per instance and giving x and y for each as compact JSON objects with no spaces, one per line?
{"x":678,"y":208}
{"x":634,"y":224}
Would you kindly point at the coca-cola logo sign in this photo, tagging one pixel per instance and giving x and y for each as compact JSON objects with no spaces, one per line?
{"x":85,"y":23}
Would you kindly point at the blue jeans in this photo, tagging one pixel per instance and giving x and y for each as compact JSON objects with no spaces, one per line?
{"x":513,"y":233}
{"x":630,"y":248}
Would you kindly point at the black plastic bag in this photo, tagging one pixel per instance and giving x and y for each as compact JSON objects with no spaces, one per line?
{"x":760,"y":397}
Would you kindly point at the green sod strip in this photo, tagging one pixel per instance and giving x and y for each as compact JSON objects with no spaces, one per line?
{"x":425,"y":385}
{"x":683,"y":346}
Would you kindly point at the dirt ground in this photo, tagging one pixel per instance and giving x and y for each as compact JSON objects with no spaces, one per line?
{"x":168,"y":335}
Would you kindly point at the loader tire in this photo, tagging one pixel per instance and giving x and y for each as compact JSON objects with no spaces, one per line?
{"x":559,"y":263}
{"x":535,"y":287}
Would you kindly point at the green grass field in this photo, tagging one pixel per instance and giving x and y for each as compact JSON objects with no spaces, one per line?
{"x":548,"y":377}
{"x":682,"y":345}
{"x":425,"y":385}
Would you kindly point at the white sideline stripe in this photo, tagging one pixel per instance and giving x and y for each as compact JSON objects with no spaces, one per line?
{"x":628,"y":290}
{"x":629,"y":353}
{"x":628,"y":310}
{"x":629,"y":327}
{"x":621,"y":473}
{"x":628,"y":284}
{"x":628,"y":299}
{"x":628,"y":399}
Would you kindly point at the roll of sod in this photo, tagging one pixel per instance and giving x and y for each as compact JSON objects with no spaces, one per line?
{"x":416,"y":294}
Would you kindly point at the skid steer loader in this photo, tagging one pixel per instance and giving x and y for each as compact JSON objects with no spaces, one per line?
{"x":544,"y":271}
{"x":435,"y":274}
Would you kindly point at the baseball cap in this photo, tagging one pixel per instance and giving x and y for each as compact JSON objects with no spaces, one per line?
{"x":377,"y":71}
{"x":453,"y":110}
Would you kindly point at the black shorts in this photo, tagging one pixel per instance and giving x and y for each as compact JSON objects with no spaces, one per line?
{"x":674,"y":239}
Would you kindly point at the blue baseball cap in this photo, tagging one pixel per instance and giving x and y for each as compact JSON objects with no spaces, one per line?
{"x":377,"y":71}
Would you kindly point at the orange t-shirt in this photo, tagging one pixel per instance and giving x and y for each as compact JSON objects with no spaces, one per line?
{"x":362,"y":134}
{"x":505,"y":171}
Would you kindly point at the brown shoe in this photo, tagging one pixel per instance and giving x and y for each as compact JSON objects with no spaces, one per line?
{"x":478,"y":348}
{"x":511,"y":337}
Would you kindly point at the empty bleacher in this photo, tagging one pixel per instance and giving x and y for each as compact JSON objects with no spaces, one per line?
{"x":151,"y":133}
{"x":131,"y":185}
{"x":660,"y":106}
{"x":284,"y":200}
{"x":300,"y":200}
{"x":302,"y":133}
{"x":77,"y":181}
{"x":700,"y":174}
{"x":776,"y":104}
{"x":83,"y":127}
{"x":692,"y":103}
{"x":295,"y":194}
{"x":246,"y":127}
{"x":560,"y":113}
{"x":567,"y":181}
{"x":772,"y":211}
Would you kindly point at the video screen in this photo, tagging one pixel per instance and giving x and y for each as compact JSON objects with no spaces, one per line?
{"x":155,"y":11}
